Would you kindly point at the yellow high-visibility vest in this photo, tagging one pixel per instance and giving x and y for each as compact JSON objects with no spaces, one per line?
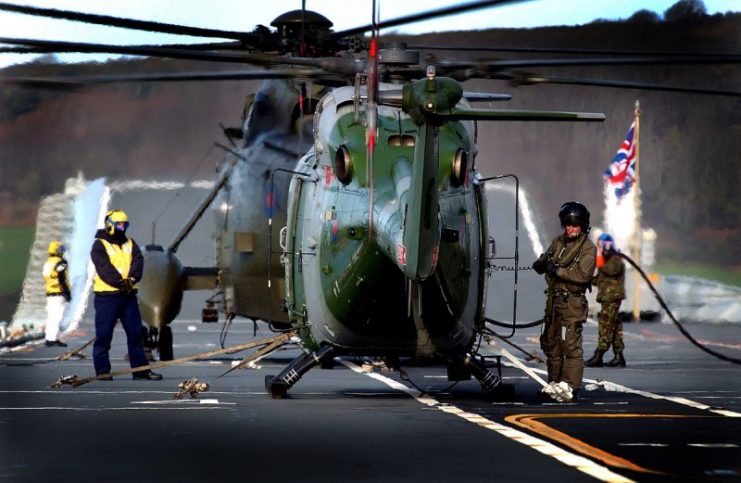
{"x":51,"y":276}
{"x":120,"y":257}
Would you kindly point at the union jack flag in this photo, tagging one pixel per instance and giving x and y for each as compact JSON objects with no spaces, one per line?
{"x":621,"y":173}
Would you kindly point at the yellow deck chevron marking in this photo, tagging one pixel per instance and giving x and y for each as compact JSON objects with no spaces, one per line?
{"x":529,"y":421}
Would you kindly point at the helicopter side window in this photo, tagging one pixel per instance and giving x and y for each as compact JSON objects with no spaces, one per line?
{"x":458,"y":171}
{"x":343,"y":165}
{"x":401,"y":140}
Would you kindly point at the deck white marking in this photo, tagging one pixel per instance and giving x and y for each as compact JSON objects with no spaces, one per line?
{"x":186,"y":402}
{"x":99,"y":409}
{"x":655,"y":445}
{"x":575,"y":461}
{"x":713,"y":445}
{"x":612,"y":386}
{"x":722,"y":472}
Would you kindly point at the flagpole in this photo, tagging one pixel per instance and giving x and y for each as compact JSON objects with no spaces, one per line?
{"x":637,"y":208}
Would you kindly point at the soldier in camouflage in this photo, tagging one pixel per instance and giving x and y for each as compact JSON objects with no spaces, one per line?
{"x":568,"y":265}
{"x":610,"y":281}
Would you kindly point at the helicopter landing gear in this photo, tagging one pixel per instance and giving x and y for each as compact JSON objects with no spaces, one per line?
{"x":490,"y":382}
{"x":277,"y":386}
{"x":164,"y":344}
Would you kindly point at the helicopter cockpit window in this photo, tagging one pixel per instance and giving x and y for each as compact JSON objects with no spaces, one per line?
{"x":460,"y":165}
{"x":401,"y":140}
{"x":343,"y":165}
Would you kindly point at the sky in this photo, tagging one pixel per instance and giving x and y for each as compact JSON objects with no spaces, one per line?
{"x":245,"y":15}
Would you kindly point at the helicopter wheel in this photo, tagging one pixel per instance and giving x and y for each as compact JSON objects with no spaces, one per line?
{"x":277,"y":389}
{"x":165,"y":344}
{"x":502,"y":393}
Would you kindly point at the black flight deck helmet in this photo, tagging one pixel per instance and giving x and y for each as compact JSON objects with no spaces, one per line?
{"x":575,"y":214}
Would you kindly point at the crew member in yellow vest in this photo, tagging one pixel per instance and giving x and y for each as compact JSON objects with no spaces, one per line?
{"x":118,"y":265}
{"x":57,"y":292}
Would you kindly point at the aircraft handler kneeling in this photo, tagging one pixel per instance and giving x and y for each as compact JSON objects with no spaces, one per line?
{"x":118,"y":267}
{"x":568,"y":265}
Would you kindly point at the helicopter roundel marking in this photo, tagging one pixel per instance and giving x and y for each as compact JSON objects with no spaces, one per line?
{"x":328,"y":175}
{"x":401,"y":254}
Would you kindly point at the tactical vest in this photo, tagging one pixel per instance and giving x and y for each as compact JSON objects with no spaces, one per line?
{"x":51,"y":276}
{"x":120,"y":257}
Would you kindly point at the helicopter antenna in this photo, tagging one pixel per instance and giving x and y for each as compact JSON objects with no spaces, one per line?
{"x":371,"y":110}
{"x":302,"y":45}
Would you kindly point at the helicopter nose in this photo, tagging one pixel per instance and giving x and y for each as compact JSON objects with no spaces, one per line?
{"x":160,"y":290}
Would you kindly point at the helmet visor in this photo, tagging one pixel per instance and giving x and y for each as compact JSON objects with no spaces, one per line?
{"x":121,"y":225}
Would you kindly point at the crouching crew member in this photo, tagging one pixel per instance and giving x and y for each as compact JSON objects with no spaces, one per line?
{"x":118,"y":268}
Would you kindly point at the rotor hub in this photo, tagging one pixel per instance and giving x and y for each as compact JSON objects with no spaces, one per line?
{"x":396,"y":53}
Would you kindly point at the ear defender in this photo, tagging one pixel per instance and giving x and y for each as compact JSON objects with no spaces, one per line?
{"x":109,"y":226}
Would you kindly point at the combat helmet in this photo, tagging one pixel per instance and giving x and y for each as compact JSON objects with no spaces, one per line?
{"x":574,"y":213}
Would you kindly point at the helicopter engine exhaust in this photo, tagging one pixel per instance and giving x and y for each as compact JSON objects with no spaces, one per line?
{"x":161,"y":288}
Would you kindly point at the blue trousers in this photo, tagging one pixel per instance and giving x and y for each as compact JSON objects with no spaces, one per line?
{"x":108,"y":310}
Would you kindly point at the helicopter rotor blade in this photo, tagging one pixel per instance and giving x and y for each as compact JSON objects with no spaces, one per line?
{"x":63,"y":46}
{"x":331,"y":64}
{"x":394,"y":97}
{"x":430,"y":14}
{"x":468,"y":114}
{"x":476,"y":69}
{"x":232,"y":45}
{"x":262,"y":74}
{"x":127,"y":23}
{"x":529,"y":79}
{"x":24,"y":50}
{"x":540,"y":50}
{"x":485,"y":96}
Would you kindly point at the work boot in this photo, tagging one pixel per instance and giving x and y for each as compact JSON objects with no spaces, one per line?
{"x":617,"y":361}
{"x":596,"y":359}
{"x":149,"y":375}
{"x":52,"y":343}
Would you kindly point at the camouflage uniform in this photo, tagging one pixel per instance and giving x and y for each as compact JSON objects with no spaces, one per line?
{"x":566,"y":307}
{"x":610,"y":281}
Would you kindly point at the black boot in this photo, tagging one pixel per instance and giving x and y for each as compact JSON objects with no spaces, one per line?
{"x":617,"y":361}
{"x":596,"y":359}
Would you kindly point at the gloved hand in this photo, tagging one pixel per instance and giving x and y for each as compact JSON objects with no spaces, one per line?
{"x":539,"y":265}
{"x":61,"y":267}
{"x":126,"y":285}
{"x":67,"y":296}
{"x":550,"y":267}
